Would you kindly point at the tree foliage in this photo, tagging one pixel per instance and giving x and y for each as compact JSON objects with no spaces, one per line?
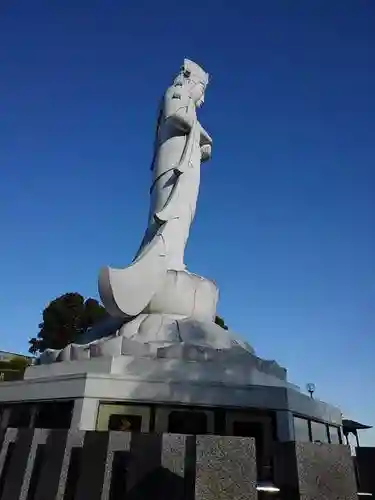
{"x":219,"y":321}
{"x":64,"y":319}
{"x":69,"y":316}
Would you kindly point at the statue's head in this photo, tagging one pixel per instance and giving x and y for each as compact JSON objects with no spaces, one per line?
{"x":195,"y":79}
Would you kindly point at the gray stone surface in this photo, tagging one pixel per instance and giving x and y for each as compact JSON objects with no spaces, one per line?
{"x":173,"y":462}
{"x":8,"y":438}
{"x":325,"y":472}
{"x":18,"y":474}
{"x":163,"y":380}
{"x":153,"y":467}
{"x":225,"y":468}
{"x":48,"y":483}
{"x":74,"y":442}
{"x":146,"y":466}
{"x":145,"y":451}
{"x":118,"y":457}
{"x":308,"y":471}
{"x":35,"y":456}
{"x":93,"y":463}
{"x":173,"y":453}
{"x":233,"y":366}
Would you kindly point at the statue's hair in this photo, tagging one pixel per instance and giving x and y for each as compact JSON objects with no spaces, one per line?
{"x":191,"y":72}
{"x":191,"y":69}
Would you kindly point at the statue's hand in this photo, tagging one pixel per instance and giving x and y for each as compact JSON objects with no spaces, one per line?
{"x":206,"y":151}
{"x":204,"y":137}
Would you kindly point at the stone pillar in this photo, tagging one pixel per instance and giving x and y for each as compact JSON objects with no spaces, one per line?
{"x":225,"y":468}
{"x":84,"y":414}
{"x":308,"y":471}
{"x":284,"y":426}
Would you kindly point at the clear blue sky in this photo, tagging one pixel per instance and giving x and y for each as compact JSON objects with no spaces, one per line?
{"x":285,"y":222}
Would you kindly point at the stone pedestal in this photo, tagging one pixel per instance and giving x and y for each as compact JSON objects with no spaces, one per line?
{"x":185,"y":294}
{"x":308,"y":471}
{"x":225,"y":383}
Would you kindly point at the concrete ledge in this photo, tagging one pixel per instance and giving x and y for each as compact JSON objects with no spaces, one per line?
{"x":134,"y":388}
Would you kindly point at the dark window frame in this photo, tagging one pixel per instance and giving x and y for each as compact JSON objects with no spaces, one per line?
{"x":174,"y":414}
{"x":114,"y":422}
{"x":326,"y":426}
{"x":338,"y":431}
{"x":307,"y":421}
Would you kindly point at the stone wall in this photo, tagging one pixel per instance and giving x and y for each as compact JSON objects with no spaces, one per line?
{"x":64,"y":465}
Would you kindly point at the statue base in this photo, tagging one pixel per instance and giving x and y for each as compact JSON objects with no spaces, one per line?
{"x":170,"y":356}
{"x":179,"y":377}
{"x":148,"y":333}
{"x":156,"y":365}
{"x":185,"y":294}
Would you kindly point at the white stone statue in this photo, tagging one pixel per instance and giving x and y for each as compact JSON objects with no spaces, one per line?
{"x":181,"y":145}
{"x":158,"y":307}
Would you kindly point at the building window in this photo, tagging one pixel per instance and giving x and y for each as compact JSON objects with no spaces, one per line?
{"x":54,"y":415}
{"x":301,"y":429}
{"x":319,"y":432}
{"x":335,"y":435}
{"x":122,"y":417}
{"x":20,"y":416}
{"x":128,"y":423}
{"x":187,"y":422}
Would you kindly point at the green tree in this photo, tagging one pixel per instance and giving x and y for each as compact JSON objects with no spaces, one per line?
{"x":219,"y":321}
{"x":64,"y":319}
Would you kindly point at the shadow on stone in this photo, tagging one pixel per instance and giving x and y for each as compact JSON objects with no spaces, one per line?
{"x":73,"y":473}
{"x":5,"y":467}
{"x":36,"y":472}
{"x":157,"y":485}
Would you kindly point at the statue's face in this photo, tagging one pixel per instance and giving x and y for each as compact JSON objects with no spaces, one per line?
{"x":197,"y":93}
{"x":194,"y":85}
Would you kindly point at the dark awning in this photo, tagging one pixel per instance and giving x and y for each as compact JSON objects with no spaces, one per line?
{"x":353,"y":426}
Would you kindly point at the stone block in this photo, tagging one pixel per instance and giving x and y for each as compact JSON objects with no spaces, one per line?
{"x":176,"y":477}
{"x":69,"y":473}
{"x":92,"y":469}
{"x":145,"y":452}
{"x":309,"y":471}
{"x":17,"y":462}
{"x":8,"y":437}
{"x":79,"y":352}
{"x":49,"y":477}
{"x":134,"y":348}
{"x":65,"y":354}
{"x":118,"y":455}
{"x":156,"y":467}
{"x":225,"y":468}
